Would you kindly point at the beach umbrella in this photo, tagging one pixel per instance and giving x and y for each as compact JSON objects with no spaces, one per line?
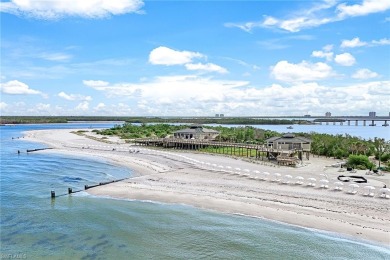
{"x":287,"y":179}
{"x":237,"y":169}
{"x":276,"y":177}
{"x":368,"y":191}
{"x":353,"y":188}
{"x":299,"y":180}
{"x":312,"y":182}
{"x":246,"y":170}
{"x":338,"y":185}
{"x":384,"y":193}
{"x":228,"y":167}
{"x":324,"y":183}
{"x":264,"y":176}
{"x":256,"y":171}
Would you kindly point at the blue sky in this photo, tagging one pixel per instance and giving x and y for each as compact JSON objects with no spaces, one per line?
{"x":195,"y":58}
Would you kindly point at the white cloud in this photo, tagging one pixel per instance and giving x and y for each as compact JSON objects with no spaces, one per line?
{"x":183,"y":88}
{"x":83,"y":106}
{"x":303,"y":71}
{"x":355,"y":42}
{"x":328,"y":47}
{"x":319,"y":13}
{"x":100,"y":106}
{"x":297,"y":21}
{"x":95,"y":83}
{"x":384,"y":41}
{"x":345,"y":59}
{"x":166,"y":56}
{"x":365,"y":8}
{"x":15,"y":87}
{"x":55,"y":9}
{"x":3,"y":105}
{"x":323,"y":54}
{"x":58,"y":56}
{"x":43,"y":107}
{"x":364,"y":74}
{"x":72,"y":97}
{"x":209,"y":67}
{"x":195,"y":95}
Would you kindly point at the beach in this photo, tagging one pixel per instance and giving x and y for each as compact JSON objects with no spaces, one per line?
{"x":231,"y":185}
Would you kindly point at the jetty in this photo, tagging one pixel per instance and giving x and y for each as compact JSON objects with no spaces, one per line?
{"x":37,"y":149}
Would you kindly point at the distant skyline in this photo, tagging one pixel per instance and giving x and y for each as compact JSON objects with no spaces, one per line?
{"x":195,"y":58}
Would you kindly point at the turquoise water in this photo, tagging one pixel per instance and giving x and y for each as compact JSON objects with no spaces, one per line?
{"x":86,"y":227}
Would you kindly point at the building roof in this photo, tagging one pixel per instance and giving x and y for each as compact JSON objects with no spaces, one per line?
{"x":194,"y":129}
{"x":288,"y":138}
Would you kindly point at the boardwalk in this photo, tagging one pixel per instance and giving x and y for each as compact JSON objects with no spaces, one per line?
{"x":255,"y":151}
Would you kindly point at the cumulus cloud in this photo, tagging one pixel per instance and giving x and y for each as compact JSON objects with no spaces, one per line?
{"x":345,"y":59}
{"x":209,"y":67}
{"x":83,"y":106}
{"x":355,"y":42}
{"x":364,"y":74}
{"x":3,"y":105}
{"x":72,"y":97}
{"x":95,"y":83}
{"x":55,"y":9}
{"x":322,"y":54}
{"x":197,"y":95}
{"x":100,"y":106}
{"x":365,"y":8}
{"x":166,"y":56}
{"x":15,"y":87}
{"x":301,"y":72}
{"x":188,"y":88}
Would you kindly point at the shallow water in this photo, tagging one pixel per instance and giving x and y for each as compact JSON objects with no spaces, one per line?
{"x":87,"y":227}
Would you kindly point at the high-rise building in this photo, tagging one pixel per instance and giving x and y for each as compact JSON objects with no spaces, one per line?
{"x":372,"y":114}
{"x":328,"y":114}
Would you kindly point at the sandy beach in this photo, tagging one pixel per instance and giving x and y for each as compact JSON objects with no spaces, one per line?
{"x":232,"y":185}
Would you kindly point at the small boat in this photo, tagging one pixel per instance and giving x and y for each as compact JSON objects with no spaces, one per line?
{"x":385,"y":125}
{"x":290,"y":127}
{"x":372,"y":124}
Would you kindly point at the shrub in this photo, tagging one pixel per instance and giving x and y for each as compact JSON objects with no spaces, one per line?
{"x":360,"y":162}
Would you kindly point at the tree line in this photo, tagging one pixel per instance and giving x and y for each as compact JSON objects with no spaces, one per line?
{"x":335,"y":146}
{"x":148,"y":120}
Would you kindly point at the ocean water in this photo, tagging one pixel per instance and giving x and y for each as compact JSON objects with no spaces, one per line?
{"x":81,"y":226}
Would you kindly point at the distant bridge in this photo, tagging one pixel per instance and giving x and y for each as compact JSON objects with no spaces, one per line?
{"x":348,"y":120}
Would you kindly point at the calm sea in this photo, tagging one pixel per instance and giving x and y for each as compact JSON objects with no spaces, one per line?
{"x":86,"y":227}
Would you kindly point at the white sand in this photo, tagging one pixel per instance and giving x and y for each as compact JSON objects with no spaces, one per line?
{"x":172,"y":176}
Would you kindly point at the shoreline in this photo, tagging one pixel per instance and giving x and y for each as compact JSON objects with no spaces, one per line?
{"x":176,"y":178}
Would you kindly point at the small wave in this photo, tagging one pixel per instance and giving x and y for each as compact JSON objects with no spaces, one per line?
{"x":72,"y":179}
